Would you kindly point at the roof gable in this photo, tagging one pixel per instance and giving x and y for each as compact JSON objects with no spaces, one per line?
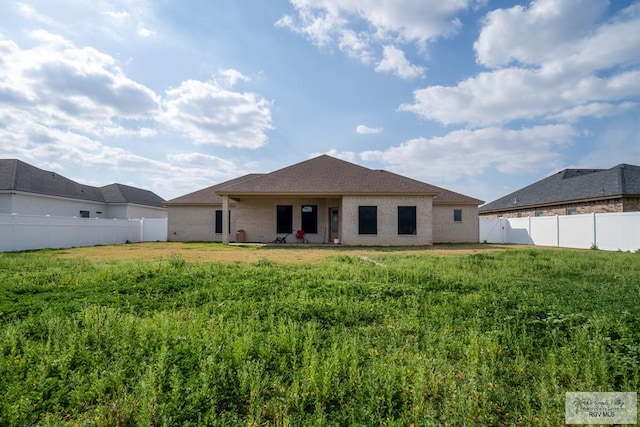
{"x":572,"y":185}
{"x":328,"y":175}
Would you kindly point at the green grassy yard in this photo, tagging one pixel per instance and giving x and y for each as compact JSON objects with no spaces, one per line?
{"x":390,"y":339}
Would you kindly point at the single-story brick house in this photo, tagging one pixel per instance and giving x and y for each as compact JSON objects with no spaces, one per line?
{"x":27,"y":190}
{"x":572,"y":191}
{"x":330,"y":200}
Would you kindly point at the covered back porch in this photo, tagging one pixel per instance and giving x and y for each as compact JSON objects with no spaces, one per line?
{"x":272,"y":219}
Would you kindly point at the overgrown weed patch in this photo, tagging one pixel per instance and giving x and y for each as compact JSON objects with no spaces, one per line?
{"x":477,"y":339}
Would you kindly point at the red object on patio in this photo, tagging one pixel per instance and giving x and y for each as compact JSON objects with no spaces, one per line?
{"x":300,"y":235}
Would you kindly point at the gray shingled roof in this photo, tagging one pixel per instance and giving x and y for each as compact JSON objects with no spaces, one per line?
{"x":571,"y":185}
{"x":448,"y":197}
{"x":208,"y":196}
{"x":326,"y":175}
{"x":16,"y":175}
{"x":120,"y":193}
{"x":323,"y":175}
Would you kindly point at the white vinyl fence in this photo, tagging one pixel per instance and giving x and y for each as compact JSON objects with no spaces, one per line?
{"x":608,"y":231}
{"x":22,"y":232}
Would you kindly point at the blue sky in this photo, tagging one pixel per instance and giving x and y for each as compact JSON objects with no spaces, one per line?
{"x":481,"y":97}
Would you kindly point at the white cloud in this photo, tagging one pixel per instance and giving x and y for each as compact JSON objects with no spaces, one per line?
{"x":30,"y":12}
{"x":61,"y":101}
{"x":230,"y":77}
{"x":125,"y":18}
{"x":596,"y":110}
{"x":59,"y":85}
{"x":356,"y":45}
{"x":118,"y":15}
{"x":201,"y":160}
{"x":211,"y":114}
{"x":507,"y":33}
{"x":366,"y":130}
{"x":90,"y":21}
{"x":318,"y":25}
{"x":510,"y":94}
{"x":396,"y":63}
{"x":328,"y":23}
{"x":180,"y":174}
{"x":410,"y":20}
{"x":146,"y":33}
{"x":600,"y":68}
{"x":471,"y":152}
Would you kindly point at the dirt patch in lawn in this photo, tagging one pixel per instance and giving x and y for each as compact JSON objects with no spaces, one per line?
{"x":249,"y":253}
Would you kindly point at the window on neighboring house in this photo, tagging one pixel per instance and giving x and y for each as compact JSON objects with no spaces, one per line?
{"x":457,"y":215}
{"x":84,"y":214}
{"x":539,"y":213}
{"x":406,"y":220}
{"x":572,"y":211}
{"x":367,"y":220}
{"x":284,"y":219}
{"x":309,"y":216}
{"x":219,"y":222}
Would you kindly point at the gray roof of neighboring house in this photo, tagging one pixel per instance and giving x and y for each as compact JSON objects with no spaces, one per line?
{"x":16,"y":175}
{"x":20,"y":176}
{"x":325,"y":176}
{"x":571,"y":185}
{"x":120,"y":193}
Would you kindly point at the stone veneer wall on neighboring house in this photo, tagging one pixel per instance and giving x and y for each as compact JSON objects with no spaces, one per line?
{"x":631,"y":204}
{"x":597,"y":206}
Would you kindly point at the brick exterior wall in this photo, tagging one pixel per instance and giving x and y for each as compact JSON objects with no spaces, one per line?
{"x":257,"y":217}
{"x":446,"y":230}
{"x":626,"y":204}
{"x":192,"y":224}
{"x":387,"y":220}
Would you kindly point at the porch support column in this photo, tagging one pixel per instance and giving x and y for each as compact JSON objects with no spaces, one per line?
{"x":225,"y":220}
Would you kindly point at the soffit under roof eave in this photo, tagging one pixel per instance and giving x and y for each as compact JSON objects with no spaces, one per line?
{"x":204,"y":204}
{"x":323,"y":194}
{"x":469,"y":203}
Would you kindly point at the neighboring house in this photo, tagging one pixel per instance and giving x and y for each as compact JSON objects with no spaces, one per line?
{"x":573,"y":191}
{"x":25,"y":189}
{"x":330,"y":200}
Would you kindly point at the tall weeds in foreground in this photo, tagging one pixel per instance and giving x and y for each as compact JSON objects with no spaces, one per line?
{"x":488,"y":339}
